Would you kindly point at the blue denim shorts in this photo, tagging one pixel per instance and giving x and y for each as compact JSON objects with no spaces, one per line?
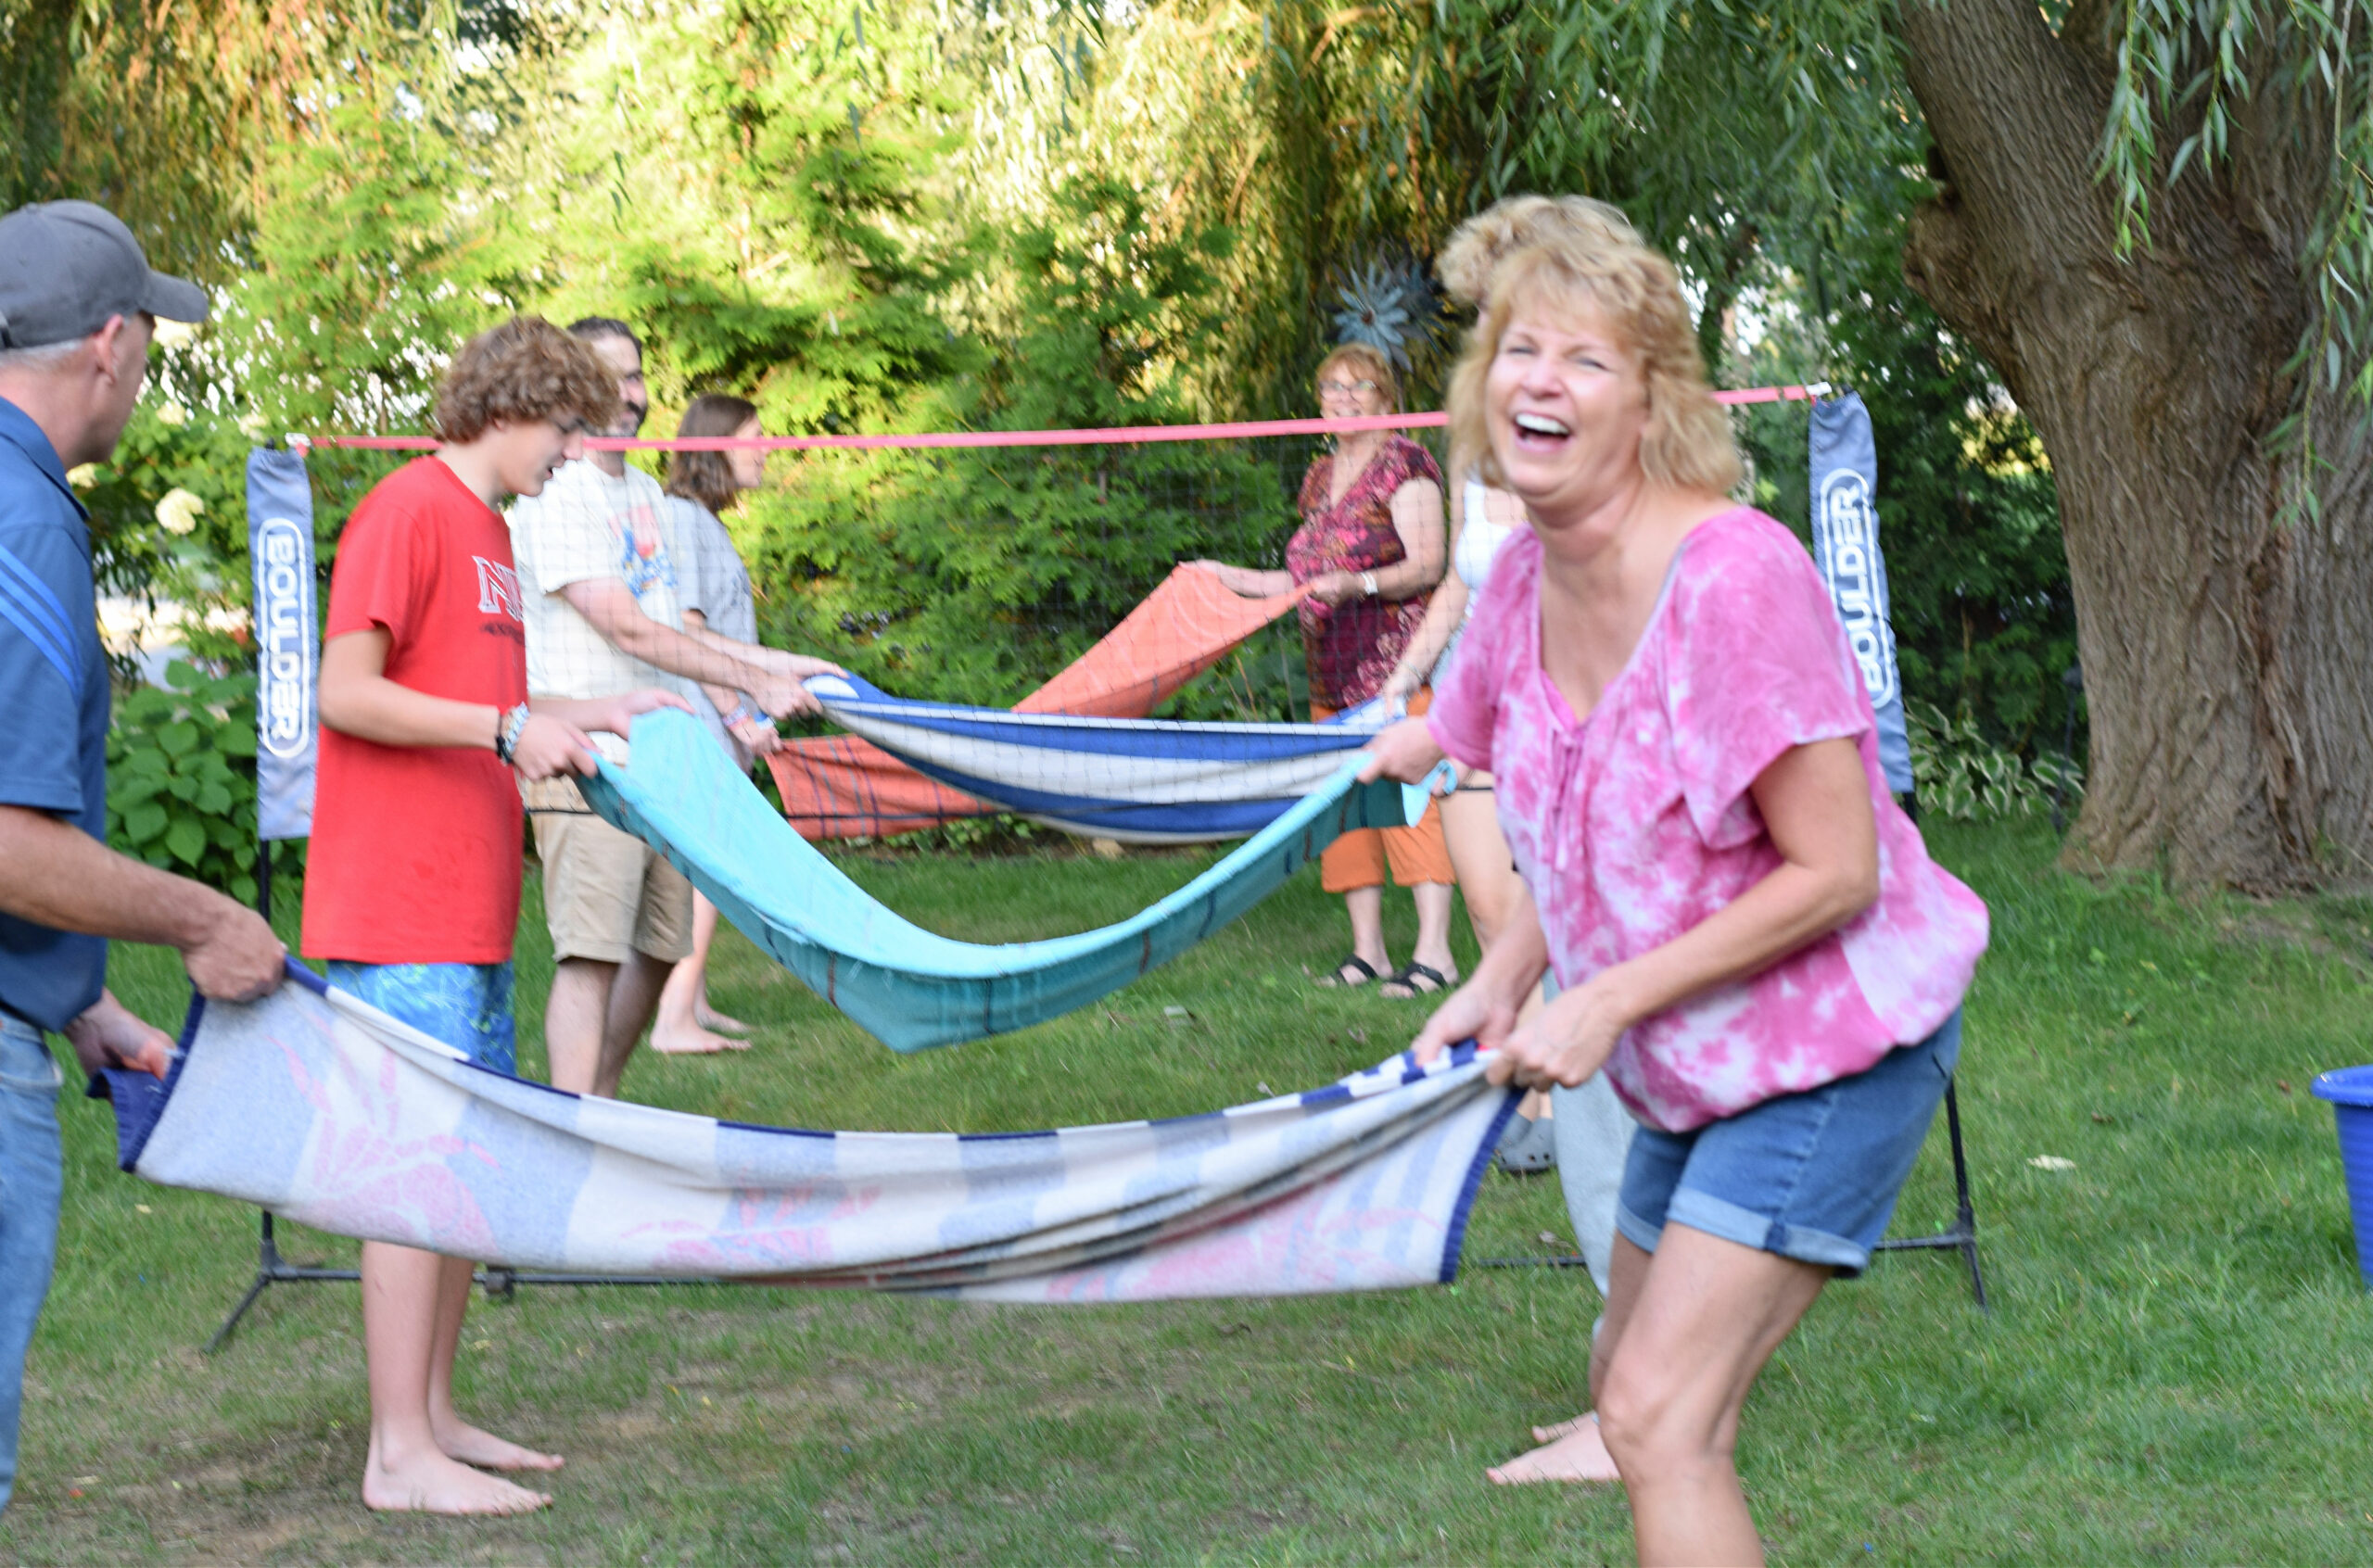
{"x":465,"y":1006}
{"x":1811,"y":1176}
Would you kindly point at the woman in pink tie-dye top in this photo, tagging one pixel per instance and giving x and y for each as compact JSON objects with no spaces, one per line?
{"x":1750,"y":937}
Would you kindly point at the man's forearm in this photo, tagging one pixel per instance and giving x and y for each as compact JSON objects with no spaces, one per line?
{"x":55,"y":875}
{"x":696,"y":655}
{"x":752,"y":656}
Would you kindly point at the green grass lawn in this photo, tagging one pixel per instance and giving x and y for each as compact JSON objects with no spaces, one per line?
{"x":2180,"y":1363}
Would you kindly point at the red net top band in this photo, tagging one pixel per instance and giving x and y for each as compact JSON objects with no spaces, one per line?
{"x":1121,"y":437}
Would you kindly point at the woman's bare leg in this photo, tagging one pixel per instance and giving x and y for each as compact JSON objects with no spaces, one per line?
{"x":1365,"y":906}
{"x":680,"y":1029}
{"x":1434,"y":902}
{"x":1479,"y":854}
{"x":1696,"y":1332}
{"x":405,"y":1468}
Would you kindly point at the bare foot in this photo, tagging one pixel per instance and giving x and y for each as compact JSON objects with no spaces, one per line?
{"x":724,"y":1023}
{"x":694,"y":1043}
{"x":1576,"y":1452}
{"x":430,"y":1483}
{"x":473,"y":1444}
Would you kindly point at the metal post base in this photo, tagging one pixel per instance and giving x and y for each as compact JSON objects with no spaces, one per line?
{"x":271,"y":1270}
{"x":500,"y":1284}
{"x":1963,"y":1237}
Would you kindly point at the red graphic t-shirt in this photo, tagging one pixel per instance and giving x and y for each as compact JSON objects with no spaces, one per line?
{"x":416,"y":849}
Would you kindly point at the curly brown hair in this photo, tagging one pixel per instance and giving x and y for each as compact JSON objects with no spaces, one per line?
{"x":524,"y":370}
{"x":708,"y":477}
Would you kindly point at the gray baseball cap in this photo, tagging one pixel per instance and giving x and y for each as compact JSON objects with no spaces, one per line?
{"x":67,"y":266}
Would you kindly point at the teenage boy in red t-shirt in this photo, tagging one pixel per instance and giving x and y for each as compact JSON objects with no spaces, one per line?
{"x":411,"y":887}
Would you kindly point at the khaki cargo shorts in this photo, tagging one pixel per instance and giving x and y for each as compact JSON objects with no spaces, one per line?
{"x":607,"y":894}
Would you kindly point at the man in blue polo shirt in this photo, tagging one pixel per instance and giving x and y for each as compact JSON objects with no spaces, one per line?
{"x":78,"y":303}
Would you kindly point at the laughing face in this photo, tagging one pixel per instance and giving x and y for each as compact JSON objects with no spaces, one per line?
{"x":1347,"y":392}
{"x":1566,"y":406}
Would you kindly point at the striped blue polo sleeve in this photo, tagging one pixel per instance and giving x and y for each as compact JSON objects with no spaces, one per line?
{"x":45,"y":627}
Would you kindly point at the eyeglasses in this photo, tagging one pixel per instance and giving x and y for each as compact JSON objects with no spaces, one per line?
{"x":1345,"y":388}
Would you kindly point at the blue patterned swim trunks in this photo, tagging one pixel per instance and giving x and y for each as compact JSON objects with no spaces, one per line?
{"x":465,"y":1005}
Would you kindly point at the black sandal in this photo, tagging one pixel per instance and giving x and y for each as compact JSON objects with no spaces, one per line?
{"x":1407,"y":980}
{"x":1335,"y":979}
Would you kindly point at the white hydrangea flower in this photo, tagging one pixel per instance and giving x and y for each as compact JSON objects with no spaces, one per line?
{"x":172,"y":413}
{"x":177,"y":513}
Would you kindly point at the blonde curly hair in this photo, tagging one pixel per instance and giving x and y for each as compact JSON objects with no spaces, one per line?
{"x":1477,"y":245}
{"x":1601,"y":271}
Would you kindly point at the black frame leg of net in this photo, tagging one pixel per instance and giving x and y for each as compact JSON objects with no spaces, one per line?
{"x":1963,"y":1235}
{"x":271,"y":1269}
{"x":500,"y":1284}
{"x":1960,"y":1237}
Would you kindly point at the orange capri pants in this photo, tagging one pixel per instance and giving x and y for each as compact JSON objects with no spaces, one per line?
{"x":1416,"y":854}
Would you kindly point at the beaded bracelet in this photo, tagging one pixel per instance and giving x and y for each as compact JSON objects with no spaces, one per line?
{"x":507,"y":733}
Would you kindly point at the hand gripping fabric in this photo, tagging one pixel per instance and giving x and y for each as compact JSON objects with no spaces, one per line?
{"x":1141,"y":780}
{"x":332,"y":1113}
{"x":908,"y":987}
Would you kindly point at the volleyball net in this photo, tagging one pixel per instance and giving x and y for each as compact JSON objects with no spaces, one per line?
{"x":978,"y":585}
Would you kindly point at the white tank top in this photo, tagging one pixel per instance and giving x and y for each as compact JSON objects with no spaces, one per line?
{"x":1479,"y":539}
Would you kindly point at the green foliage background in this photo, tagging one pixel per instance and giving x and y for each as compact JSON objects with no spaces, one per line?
{"x":181,"y":778}
{"x":951,"y":216}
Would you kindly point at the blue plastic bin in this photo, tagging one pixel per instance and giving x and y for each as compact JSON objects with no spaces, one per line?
{"x":2351,"y":1092}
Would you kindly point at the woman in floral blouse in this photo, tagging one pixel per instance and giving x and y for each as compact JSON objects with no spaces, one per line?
{"x":1370,"y":549}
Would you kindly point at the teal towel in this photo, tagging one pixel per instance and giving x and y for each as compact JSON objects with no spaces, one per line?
{"x":908,"y":987}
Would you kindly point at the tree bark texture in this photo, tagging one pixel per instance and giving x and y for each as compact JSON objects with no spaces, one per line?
{"x":2227,"y":647}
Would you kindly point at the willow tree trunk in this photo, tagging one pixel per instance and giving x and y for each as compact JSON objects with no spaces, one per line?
{"x":2226,"y":641}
